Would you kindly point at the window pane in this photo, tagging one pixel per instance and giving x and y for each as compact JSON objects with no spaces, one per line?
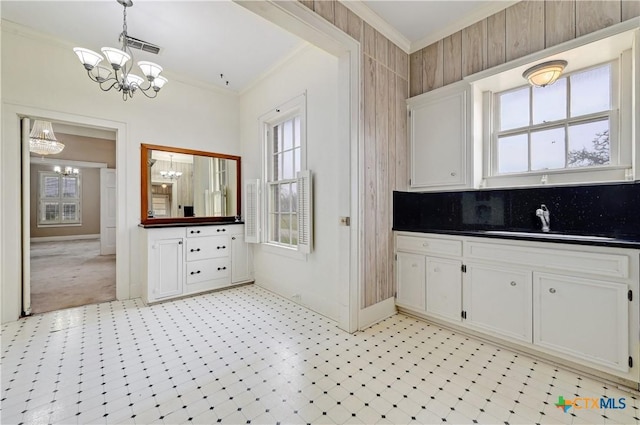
{"x":589,"y":144}
{"x":288,"y":134}
{"x":550,"y":102}
{"x":514,"y":109}
{"x":50,"y":212}
{"x":513,"y":154}
{"x":296,"y":127}
{"x":51,"y":187}
{"x":69,"y":187}
{"x":285,"y":198}
{"x":69,"y":212}
{"x":287,"y":165}
{"x":591,"y":91}
{"x":547,"y":149}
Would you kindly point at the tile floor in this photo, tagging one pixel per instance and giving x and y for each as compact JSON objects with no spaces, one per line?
{"x":246,"y":355}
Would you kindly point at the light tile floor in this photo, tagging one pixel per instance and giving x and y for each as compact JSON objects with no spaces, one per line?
{"x":245,"y":355}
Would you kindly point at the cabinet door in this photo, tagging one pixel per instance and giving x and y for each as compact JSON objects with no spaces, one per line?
{"x":411,"y":281}
{"x":498,"y":300}
{"x":438,"y":141}
{"x":166,"y":268}
{"x":585,"y":318}
{"x":444,"y":288}
{"x":240,"y":259}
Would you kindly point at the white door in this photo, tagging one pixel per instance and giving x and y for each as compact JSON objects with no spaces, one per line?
{"x":411,"y":281}
{"x":107,"y":211}
{"x":444,"y":288}
{"x":498,"y":300}
{"x":585,"y":318}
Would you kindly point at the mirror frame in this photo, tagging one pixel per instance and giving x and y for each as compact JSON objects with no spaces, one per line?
{"x":145,"y":149}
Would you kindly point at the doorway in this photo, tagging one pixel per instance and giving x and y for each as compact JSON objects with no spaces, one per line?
{"x":71,"y":226}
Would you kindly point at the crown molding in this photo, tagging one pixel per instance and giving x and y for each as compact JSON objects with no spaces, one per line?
{"x":479,"y":14}
{"x":377,"y":22}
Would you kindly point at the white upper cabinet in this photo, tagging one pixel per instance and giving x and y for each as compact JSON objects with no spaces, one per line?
{"x":440,"y":139}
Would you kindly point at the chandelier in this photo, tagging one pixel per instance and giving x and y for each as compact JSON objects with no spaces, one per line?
{"x":68,"y":171}
{"x":171,"y":174}
{"x":120,"y":78}
{"x":42,"y":140}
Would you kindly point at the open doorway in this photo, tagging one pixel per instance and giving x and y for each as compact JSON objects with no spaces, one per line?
{"x":72,"y":221}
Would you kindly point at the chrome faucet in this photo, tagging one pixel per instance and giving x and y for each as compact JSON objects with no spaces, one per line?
{"x":543,"y":213}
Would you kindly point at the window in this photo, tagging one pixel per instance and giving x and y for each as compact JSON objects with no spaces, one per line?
{"x":59,"y":202}
{"x":569,"y":124}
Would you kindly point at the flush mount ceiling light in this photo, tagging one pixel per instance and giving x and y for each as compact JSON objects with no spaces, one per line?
{"x":545,"y":73}
{"x":42,"y":140}
{"x":120,"y":77}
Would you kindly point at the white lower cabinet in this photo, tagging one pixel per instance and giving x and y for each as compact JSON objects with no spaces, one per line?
{"x":575,"y":303}
{"x":498,"y":300}
{"x":444,"y":288}
{"x":411,"y":280}
{"x":189,"y":260}
{"x":584,"y":318}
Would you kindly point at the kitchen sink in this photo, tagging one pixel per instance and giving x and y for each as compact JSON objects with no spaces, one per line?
{"x":548,"y":235}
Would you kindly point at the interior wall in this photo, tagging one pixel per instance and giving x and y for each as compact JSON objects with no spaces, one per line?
{"x":175,"y":118}
{"x":526,"y":27}
{"x":314,"y":279}
{"x":77,"y":148}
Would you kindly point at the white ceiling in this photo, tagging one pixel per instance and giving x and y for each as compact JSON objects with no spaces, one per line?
{"x":202,"y":39}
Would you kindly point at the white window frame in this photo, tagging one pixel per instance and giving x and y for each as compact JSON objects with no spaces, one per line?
{"x":286,"y":111}
{"x":60,"y":200}
{"x":619,"y":42}
{"x":611,"y":115}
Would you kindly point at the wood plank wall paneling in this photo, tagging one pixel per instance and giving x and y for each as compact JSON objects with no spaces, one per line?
{"x":474,"y":48}
{"x":452,"y":58}
{"x":521,"y":29}
{"x":594,"y":15}
{"x":496,"y":39}
{"x":559,"y":21}
{"x":433,"y":66}
{"x":524,"y":28}
{"x":630,"y":9}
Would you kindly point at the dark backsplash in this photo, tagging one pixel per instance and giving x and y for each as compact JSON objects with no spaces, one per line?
{"x":603,"y":210}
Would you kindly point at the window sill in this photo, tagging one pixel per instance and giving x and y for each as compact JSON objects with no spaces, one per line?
{"x":592,"y":175}
{"x":283,"y":251}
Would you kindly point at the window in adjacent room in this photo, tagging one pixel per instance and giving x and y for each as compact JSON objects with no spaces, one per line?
{"x":59,"y":199}
{"x":569,"y":124}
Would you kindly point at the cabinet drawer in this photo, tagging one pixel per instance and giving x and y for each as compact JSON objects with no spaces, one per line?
{"x":197,"y":231}
{"x":207,"y":247}
{"x":423,"y":245}
{"x":199,"y":271}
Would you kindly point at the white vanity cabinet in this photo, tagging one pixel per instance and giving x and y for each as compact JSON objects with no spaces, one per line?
{"x":575,"y":304}
{"x":189,"y":260}
{"x":440,"y":140}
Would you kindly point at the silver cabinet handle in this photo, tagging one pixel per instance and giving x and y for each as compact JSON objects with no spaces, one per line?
{"x":513,"y":283}
{"x":552,"y":290}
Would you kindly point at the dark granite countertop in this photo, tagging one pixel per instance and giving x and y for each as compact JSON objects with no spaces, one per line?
{"x":523,"y":235}
{"x":205,"y":223}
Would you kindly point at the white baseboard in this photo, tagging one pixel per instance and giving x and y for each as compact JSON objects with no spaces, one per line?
{"x":64,"y":238}
{"x":373,"y":314}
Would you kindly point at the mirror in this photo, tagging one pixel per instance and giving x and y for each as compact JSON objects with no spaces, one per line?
{"x":186,"y":186}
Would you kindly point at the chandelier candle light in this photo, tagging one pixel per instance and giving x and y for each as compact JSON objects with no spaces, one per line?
{"x":121,"y":78}
{"x":42,"y":140}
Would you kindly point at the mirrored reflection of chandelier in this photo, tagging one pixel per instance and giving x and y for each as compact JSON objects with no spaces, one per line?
{"x":42,"y":140}
{"x":121,"y":78}
{"x":171,"y":174}
{"x":68,"y":171}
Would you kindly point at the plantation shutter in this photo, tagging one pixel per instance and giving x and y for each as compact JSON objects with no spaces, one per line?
{"x":305,"y":211}
{"x":252,"y":211}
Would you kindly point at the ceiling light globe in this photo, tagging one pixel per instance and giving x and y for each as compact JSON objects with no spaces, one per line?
{"x":116,"y":57}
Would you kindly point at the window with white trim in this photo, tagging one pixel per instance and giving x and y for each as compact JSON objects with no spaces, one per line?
{"x":569,"y":124}
{"x":59,"y":199}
